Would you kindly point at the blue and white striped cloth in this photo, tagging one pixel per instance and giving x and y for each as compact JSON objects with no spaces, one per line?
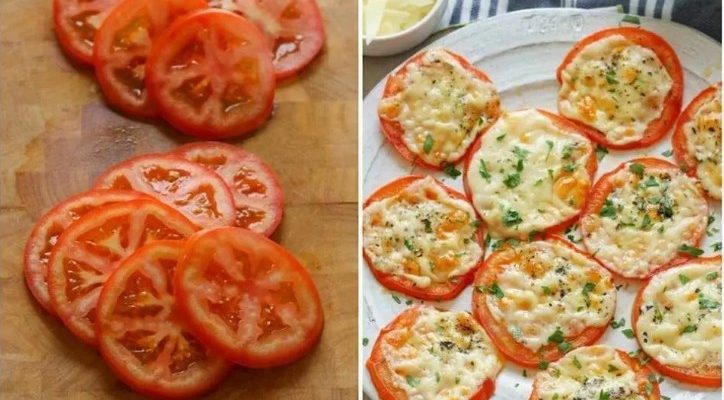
{"x":704,"y":15}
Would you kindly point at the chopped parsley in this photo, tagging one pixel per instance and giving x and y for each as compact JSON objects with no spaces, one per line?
{"x":650,"y":182}
{"x":631,"y":19}
{"x":620,"y":323}
{"x":396,"y":299}
{"x":547,"y":290}
{"x":601,"y":152}
{"x":451,"y":171}
{"x":683,"y":279}
{"x":412,"y":381}
{"x":712,"y":275}
{"x":501,"y":137}
{"x":667,"y":153}
{"x":576,"y":362}
{"x":512,"y":180}
{"x":707,"y":304}
{"x":637,"y":169}
{"x":543,"y":364}
{"x":588,"y":288}
{"x":511,"y":218}
{"x":628,"y":333}
{"x":690,"y":250}
{"x":567,"y":151}
{"x":483,"y":170}
{"x":689,"y":329}
{"x":496,"y":291}
{"x":611,"y":77}
{"x":716,"y":246}
{"x":608,"y":209}
{"x":550,"y":147}
{"x":427,"y":146}
{"x":365,"y":341}
{"x":409,"y":245}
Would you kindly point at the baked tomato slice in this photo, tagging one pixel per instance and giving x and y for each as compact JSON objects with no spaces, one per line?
{"x":294,"y":29}
{"x":519,"y":288}
{"x":247,"y":298}
{"x":439,"y":239}
{"x":670,"y":281}
{"x":121,"y":48}
{"x":76,"y":23}
{"x":140,"y":334}
{"x":50,"y":226}
{"x":93,"y":246}
{"x":200,"y":194}
{"x":620,"y":74}
{"x":258,"y":195}
{"x":211,"y":75}
{"x":696,"y":141}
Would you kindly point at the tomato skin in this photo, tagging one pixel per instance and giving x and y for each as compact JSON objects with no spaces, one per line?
{"x":380,"y":372}
{"x":642,"y":377}
{"x":672,"y":104}
{"x":500,"y":336}
{"x":709,"y":378}
{"x":393,"y":130}
{"x":128,"y":369}
{"x":159,"y":13}
{"x":71,"y":44}
{"x":678,"y":140}
{"x":437,"y":291}
{"x":182,"y":116}
{"x":560,"y":122}
{"x":604,"y":186}
{"x":199,"y":251}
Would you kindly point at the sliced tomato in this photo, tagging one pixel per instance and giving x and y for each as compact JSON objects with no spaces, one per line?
{"x":76,"y":23}
{"x":678,"y":141}
{"x":382,"y":375}
{"x":657,"y":128}
{"x":248,"y":298}
{"x":563,"y":124}
{"x":140,"y":334}
{"x":436,"y":291}
{"x":50,"y":226}
{"x":294,"y":29}
{"x":486,"y":276}
{"x":258,"y":195}
{"x":122,"y":45}
{"x":392,"y":129}
{"x":707,"y":376}
{"x":642,"y":376}
{"x":605,"y":185}
{"x":200,"y":194}
{"x":93,"y":246}
{"x":211,"y":75}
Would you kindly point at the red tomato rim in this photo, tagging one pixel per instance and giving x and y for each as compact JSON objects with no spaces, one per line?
{"x":504,"y":341}
{"x":657,"y":128}
{"x":561,"y":123}
{"x":393,"y":130}
{"x":711,"y":379}
{"x":66,"y":40}
{"x":598,"y":195}
{"x":436,"y":291}
{"x":380,"y":372}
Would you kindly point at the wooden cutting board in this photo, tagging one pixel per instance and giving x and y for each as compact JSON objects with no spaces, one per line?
{"x":57,"y":135}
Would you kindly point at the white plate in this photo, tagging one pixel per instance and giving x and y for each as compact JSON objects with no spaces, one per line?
{"x":520,"y":52}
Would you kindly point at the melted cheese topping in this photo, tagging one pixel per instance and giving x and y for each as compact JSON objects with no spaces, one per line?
{"x":615,"y":86}
{"x":680,"y":320}
{"x":589,"y":373}
{"x":645,"y":219}
{"x":444,"y":355}
{"x":548,"y":287}
{"x":703,"y":142}
{"x":528,"y":174}
{"x":422,"y":234}
{"x":442,"y":107}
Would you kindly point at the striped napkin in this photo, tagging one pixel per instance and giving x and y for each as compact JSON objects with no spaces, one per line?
{"x":704,"y":15}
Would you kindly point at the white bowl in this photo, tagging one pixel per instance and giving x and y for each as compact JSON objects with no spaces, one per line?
{"x":407,"y":39}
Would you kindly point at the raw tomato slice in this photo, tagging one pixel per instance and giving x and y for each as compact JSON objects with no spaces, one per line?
{"x":294,"y":29}
{"x":257,"y":192}
{"x":76,"y":23}
{"x":211,"y":75}
{"x":200,"y":194}
{"x":140,"y":335}
{"x":122,"y":45}
{"x":50,"y":226}
{"x":93,"y":246}
{"x":247,"y":298}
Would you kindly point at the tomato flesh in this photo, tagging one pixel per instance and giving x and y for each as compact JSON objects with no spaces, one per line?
{"x":247,"y":298}
{"x":142,"y":337}
{"x":76,"y":23}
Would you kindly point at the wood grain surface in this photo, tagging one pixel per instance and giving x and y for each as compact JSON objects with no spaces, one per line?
{"x":57,"y":135}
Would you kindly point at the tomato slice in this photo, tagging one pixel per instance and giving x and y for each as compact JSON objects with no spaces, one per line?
{"x":200,"y":194}
{"x":247,"y":298}
{"x":499,"y":333}
{"x":76,"y":23}
{"x":657,"y":128}
{"x":683,"y":157}
{"x":703,"y":375}
{"x":50,"y":226}
{"x":211,"y":75}
{"x":437,"y":291}
{"x":140,"y":334}
{"x":122,"y":45}
{"x":294,"y":29}
{"x":257,"y":192}
{"x":93,"y":246}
